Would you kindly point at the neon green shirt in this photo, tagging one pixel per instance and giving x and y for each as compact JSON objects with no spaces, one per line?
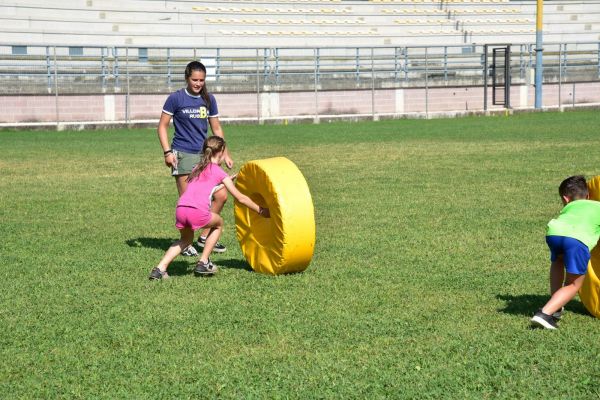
{"x":579,"y":219}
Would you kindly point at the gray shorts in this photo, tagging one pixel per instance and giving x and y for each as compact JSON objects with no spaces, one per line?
{"x":185,"y":162}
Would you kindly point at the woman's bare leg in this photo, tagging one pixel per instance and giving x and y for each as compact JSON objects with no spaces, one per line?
{"x":181,"y":182}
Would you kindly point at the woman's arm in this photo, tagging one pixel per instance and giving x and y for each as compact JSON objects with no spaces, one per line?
{"x":245,"y":200}
{"x":215,"y":127}
{"x":163,"y":137}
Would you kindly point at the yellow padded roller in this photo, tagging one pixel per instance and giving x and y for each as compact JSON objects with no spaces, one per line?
{"x":285,"y":242}
{"x":590,"y":290}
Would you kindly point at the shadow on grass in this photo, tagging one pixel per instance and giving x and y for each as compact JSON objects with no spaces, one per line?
{"x":178,"y":268}
{"x":528,"y":304}
{"x":153,"y":243}
{"x":234,"y":264}
{"x":183,"y":267}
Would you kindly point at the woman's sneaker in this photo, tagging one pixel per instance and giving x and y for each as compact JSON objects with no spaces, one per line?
{"x":157,"y":274}
{"x":207,"y":268}
{"x":543,"y":320}
{"x":219,"y":247}
{"x":190,"y":251}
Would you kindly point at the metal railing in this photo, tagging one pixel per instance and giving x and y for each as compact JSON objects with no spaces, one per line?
{"x":108,"y":69}
{"x":62,"y":70}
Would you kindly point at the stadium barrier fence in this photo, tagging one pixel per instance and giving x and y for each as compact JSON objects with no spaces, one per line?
{"x":60,"y":85}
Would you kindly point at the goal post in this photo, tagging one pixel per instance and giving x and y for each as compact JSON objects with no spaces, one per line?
{"x":499,"y":72}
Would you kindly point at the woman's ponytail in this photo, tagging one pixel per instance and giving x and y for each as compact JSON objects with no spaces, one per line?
{"x":205,"y":97}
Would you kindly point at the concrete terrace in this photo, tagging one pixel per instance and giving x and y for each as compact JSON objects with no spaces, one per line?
{"x":309,"y":23}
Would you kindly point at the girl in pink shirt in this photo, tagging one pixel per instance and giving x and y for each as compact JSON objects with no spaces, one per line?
{"x":193,"y":208}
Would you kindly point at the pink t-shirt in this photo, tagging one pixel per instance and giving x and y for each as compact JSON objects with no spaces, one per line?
{"x":199,"y":191}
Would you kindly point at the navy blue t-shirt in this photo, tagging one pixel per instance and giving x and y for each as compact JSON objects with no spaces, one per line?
{"x":190,"y":117}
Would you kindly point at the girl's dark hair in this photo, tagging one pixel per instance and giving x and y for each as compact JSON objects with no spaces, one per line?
{"x":212,"y":145}
{"x":198,"y":66}
{"x":574,"y":187}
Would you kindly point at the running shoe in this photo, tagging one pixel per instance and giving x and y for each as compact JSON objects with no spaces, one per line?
{"x":190,"y":251}
{"x":219,"y":247}
{"x":207,"y":268}
{"x":156,"y":274}
{"x":543,"y":320}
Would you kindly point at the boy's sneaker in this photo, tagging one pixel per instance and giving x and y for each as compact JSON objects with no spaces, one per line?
{"x":190,"y":251}
{"x":558,"y":315}
{"x":543,"y":320}
{"x":207,"y":268}
{"x":157,"y":274}
{"x":219,"y":247}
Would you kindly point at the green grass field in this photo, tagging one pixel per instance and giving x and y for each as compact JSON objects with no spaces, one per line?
{"x":430,"y":258}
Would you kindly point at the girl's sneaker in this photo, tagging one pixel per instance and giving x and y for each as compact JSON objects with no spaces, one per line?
{"x":207,"y":268}
{"x":219,"y":247}
{"x":157,"y":274}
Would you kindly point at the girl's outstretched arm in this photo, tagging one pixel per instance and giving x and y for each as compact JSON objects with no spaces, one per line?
{"x":221,"y":185}
{"x":245,"y":200}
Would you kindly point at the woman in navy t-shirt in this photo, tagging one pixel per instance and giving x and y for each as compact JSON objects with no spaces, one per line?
{"x":192,"y":109}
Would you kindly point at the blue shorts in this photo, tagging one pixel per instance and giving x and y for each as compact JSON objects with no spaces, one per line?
{"x":576,"y":255}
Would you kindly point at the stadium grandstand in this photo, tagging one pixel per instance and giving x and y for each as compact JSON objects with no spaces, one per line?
{"x":285,"y":59}
{"x":293,"y":23}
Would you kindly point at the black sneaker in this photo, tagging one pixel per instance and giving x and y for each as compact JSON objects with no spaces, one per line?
{"x":558,"y":315}
{"x":157,"y":274}
{"x":219,"y":247}
{"x":207,"y":268}
{"x":543,"y":320}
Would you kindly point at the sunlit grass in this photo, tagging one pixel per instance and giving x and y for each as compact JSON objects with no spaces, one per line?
{"x":430,"y":258}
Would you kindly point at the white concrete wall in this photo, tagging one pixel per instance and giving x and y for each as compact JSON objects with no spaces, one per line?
{"x":287,"y":105}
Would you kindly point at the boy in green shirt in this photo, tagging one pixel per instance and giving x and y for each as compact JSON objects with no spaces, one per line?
{"x":570,"y":236}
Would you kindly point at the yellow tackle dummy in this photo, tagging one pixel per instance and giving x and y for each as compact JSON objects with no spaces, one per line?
{"x":590,"y":291}
{"x":285,"y":242}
